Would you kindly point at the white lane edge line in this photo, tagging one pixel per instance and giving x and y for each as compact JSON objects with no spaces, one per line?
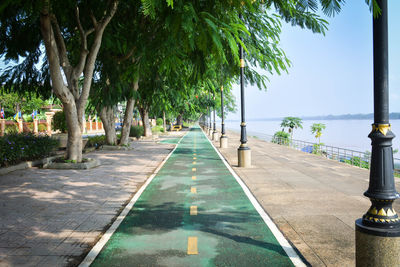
{"x":292,"y":254}
{"x":95,"y":251}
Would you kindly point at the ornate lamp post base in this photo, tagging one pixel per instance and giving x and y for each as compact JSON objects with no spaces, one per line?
{"x":375,"y":250}
{"x":223,"y":141}
{"x":215,"y":136}
{"x":378,"y":231}
{"x":244,"y":157}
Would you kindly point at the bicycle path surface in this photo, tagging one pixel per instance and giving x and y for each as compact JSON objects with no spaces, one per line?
{"x":194,"y":213}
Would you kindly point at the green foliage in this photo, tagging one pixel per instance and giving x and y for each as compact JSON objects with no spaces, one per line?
{"x":186,"y":124}
{"x":281,"y":138}
{"x":159,"y":122}
{"x":96,"y":141}
{"x":136,"y":131}
{"x":157,"y":129}
{"x":26,"y":102}
{"x":27,"y":117}
{"x":11,"y":128}
{"x":317,"y":149}
{"x":191,"y":48}
{"x":15,"y":148}
{"x":291,"y":123}
{"x":59,"y":122}
{"x":357,"y":161}
{"x":42,"y":127}
{"x":316,"y":129}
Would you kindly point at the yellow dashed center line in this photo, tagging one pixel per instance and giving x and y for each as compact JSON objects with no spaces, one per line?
{"x":194,"y":158}
{"x":193,"y":177}
{"x":193,"y":169}
{"x":192,"y":245}
{"x":194,"y":162}
{"x":194,"y":154}
{"x":193,"y":190}
{"x":193,"y":210}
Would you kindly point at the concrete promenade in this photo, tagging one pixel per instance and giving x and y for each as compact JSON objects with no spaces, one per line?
{"x":53,"y":217}
{"x":313,"y":200}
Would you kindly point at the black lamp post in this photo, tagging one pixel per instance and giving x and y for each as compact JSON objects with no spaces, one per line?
{"x":214,"y":135}
{"x":224,"y":138}
{"x":378,"y":232}
{"x":209,"y":116}
{"x":244,"y":153}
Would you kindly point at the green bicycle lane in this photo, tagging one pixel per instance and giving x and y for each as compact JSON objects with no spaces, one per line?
{"x":193,"y":213}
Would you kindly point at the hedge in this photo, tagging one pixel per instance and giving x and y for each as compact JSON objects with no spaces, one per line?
{"x":15,"y":148}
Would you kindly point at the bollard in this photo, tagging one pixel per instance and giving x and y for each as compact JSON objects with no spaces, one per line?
{"x":49,"y":117}
{"x":2,"y":127}
{"x":20,"y":126}
{"x":35,"y":127}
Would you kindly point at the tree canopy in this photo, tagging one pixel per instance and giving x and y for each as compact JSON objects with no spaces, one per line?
{"x":165,"y":55}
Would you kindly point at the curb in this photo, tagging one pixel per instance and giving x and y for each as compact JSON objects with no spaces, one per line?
{"x":27,"y":165}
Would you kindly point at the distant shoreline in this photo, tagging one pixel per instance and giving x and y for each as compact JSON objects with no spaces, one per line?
{"x":370,"y":116}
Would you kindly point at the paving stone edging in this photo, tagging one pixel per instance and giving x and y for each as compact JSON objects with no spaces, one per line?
{"x":27,"y":164}
{"x":91,"y":163}
{"x":44,"y":162}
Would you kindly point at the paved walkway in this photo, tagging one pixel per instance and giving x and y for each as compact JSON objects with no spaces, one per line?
{"x":313,"y":200}
{"x":53,"y":217}
{"x":193,"y":213}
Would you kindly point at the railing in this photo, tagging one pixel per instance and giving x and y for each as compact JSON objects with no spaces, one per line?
{"x":352,"y":157}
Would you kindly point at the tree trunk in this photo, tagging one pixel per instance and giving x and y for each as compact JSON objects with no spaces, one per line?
{"x":146,"y":123}
{"x":74,"y":143}
{"x":107,"y":117}
{"x":179,"y":120}
{"x":164,"y":122}
{"x":128,"y":116}
{"x":127,"y":122}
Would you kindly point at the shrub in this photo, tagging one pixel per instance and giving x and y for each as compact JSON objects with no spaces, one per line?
{"x":357,"y":161}
{"x":281,"y":138}
{"x":11,"y":128}
{"x":136,"y":131}
{"x":159,"y":122}
{"x":42,"y":127}
{"x":41,"y":116}
{"x":15,"y":148}
{"x":27,"y":117}
{"x":96,"y":141}
{"x":186,"y":124}
{"x":157,"y":129}
{"x":59,"y":122}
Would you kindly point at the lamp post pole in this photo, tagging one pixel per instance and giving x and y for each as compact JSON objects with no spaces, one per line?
{"x":215,"y":133}
{"x":378,"y":231}
{"x":209,"y":116}
{"x":244,"y":152}
{"x":224,"y":139}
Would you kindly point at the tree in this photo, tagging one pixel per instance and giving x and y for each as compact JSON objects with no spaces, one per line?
{"x":316,"y":129}
{"x":71,"y":32}
{"x":26,"y":103}
{"x":281,"y":138}
{"x":291,"y":123}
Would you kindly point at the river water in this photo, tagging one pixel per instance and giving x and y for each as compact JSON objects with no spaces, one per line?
{"x":350,"y":134}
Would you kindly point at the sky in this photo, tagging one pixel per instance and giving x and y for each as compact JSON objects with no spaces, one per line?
{"x":331,"y":74}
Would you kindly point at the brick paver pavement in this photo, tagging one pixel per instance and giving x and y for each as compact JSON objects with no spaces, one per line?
{"x":53,"y":217}
{"x":313,"y":200}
